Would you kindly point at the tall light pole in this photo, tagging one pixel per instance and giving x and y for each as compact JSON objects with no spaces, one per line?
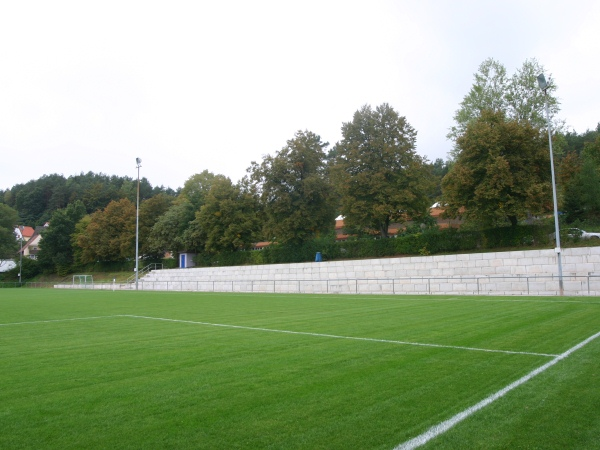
{"x":544,"y":87}
{"x":138,"y":163}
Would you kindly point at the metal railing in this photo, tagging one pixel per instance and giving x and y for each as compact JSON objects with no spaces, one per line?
{"x":27,"y":284}
{"x":144,"y":271}
{"x":575,"y":285}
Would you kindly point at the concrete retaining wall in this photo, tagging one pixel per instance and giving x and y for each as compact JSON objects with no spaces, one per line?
{"x":532,"y":272}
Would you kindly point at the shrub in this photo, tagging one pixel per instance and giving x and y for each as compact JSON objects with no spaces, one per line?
{"x":430,"y":241}
{"x":30,"y":268}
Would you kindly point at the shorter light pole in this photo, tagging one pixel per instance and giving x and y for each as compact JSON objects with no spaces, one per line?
{"x":544,"y":87}
{"x":20,"y":256}
{"x":138,"y":163}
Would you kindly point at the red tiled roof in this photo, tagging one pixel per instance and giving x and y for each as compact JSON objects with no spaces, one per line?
{"x":27,"y":232}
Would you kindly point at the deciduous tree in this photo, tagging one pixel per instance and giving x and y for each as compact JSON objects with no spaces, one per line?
{"x":295,"y":190}
{"x":582,"y":194}
{"x":196,"y":188}
{"x":110,"y":234}
{"x":167,"y":234}
{"x":581,"y":179}
{"x":501,"y":172}
{"x":518,"y":97}
{"x":56,"y":249}
{"x":228,"y":220}
{"x":8,"y":241}
{"x":150,"y":212}
{"x":82,"y":250}
{"x":36,"y":200}
{"x":379,"y":176}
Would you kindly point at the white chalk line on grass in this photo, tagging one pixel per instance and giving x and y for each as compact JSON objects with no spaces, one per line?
{"x":491,"y":299}
{"x":334,"y":336}
{"x":432,"y":297}
{"x":56,"y":320}
{"x":444,"y":426}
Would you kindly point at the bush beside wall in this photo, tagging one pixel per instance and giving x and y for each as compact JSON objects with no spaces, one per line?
{"x":429,"y":242}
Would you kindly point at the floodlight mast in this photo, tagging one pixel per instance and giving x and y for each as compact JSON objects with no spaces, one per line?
{"x":21,"y":256}
{"x":138,"y":163}
{"x":543,"y":84}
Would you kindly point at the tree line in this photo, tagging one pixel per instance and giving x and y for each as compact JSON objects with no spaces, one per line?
{"x":497,"y":175}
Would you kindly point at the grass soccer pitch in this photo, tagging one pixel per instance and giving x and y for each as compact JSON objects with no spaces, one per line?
{"x":133,"y":370}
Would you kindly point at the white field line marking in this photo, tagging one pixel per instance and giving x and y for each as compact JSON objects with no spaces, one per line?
{"x":468,"y":298}
{"x":304,"y":333}
{"x":430,"y":297}
{"x":55,"y":320}
{"x":442,"y":427}
{"x":401,"y":297}
{"x":498,"y":300}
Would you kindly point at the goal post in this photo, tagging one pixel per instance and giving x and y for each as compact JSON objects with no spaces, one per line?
{"x":83,"y":281}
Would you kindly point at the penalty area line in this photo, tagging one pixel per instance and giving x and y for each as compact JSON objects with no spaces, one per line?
{"x":334,"y":336}
{"x":444,"y":426}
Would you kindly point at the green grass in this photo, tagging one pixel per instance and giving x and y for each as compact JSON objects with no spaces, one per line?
{"x":116,"y":381}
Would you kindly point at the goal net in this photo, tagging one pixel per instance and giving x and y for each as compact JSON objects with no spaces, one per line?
{"x":83,"y":281}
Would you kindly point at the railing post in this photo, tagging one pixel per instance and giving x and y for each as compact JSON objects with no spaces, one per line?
{"x":588,"y":283}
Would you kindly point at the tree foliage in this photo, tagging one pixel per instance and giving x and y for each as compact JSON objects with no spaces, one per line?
{"x":82,"y":253}
{"x":228,"y":221}
{"x":569,"y":167}
{"x":167,"y":234}
{"x":501,"y":173}
{"x":518,"y":96}
{"x":56,"y":249}
{"x":150,"y":212}
{"x":581,"y":178}
{"x":575,"y":142}
{"x":582,"y":194}
{"x":110,"y":233}
{"x":8,"y":241}
{"x":377,"y":172}
{"x":172,"y":231}
{"x":36,"y":200}
{"x":27,"y":267}
{"x":591,"y":150}
{"x":196,"y":188}
{"x":295,"y":190}
{"x":438,"y":170}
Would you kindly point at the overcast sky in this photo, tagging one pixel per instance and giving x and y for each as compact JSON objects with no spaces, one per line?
{"x":195,"y":85}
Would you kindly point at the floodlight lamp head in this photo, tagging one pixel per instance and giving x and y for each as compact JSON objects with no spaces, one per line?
{"x":542,"y":82}
{"x":138,"y":161}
